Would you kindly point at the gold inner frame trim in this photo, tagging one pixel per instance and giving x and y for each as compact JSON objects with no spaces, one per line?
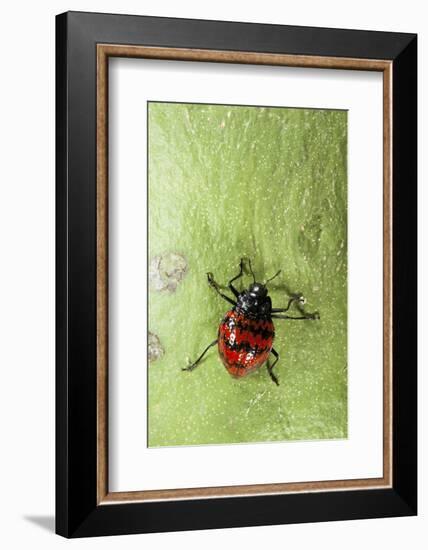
{"x":104,"y":51}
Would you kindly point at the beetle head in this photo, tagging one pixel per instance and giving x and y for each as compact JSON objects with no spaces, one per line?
{"x":258,"y":290}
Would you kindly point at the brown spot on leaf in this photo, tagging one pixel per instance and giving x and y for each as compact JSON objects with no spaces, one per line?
{"x":167,"y":271}
{"x":155,"y":349}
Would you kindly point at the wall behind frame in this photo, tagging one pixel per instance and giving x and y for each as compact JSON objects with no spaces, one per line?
{"x":27,"y":271}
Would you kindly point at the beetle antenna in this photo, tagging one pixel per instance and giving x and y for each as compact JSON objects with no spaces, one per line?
{"x":251,"y":270}
{"x":276,"y":275}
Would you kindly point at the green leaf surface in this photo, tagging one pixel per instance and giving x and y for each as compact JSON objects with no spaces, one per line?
{"x":269,"y":184}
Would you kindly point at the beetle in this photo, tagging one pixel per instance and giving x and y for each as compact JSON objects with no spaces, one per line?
{"x":246,"y":333}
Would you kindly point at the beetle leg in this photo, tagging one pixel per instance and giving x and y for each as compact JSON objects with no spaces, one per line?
{"x":195,"y":364}
{"x":296,"y":298}
{"x":241,"y":271}
{"x":270,"y":367}
{"x":311,"y":316}
{"x":216,"y":287}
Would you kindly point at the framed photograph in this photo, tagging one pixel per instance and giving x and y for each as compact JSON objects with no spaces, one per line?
{"x":236,"y":274}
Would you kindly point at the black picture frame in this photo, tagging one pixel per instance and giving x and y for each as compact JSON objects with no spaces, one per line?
{"x":77,"y":511}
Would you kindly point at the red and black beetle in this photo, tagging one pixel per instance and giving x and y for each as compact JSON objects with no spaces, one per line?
{"x":246,"y":333}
